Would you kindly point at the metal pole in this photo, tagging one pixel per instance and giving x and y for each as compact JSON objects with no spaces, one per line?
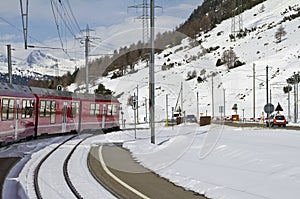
{"x":271,"y":95}
{"x":183,"y":112}
{"x":9,"y":63}
{"x":254,"y":92}
{"x":172,"y":117}
{"x":289,"y":104}
{"x":167,"y":121}
{"x":295,"y":98}
{"x":151,"y":74}
{"x":137,"y":103}
{"x":146,"y":109}
{"x":86,"y":60}
{"x":212,"y":97}
{"x":243,"y":115}
{"x":224,"y":103}
{"x":197,"y":106}
{"x":134,"y":110}
{"x":267,"y":86}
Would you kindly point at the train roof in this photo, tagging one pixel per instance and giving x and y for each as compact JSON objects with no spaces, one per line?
{"x":21,"y":90}
{"x":56,"y":93}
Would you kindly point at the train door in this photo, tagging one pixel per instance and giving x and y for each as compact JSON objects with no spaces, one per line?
{"x":17,"y":118}
{"x":103,"y":115}
{"x":64,"y":117}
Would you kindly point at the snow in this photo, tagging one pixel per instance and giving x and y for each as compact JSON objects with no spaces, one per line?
{"x":218,"y":161}
{"x":259,"y":47}
{"x":242,"y":163}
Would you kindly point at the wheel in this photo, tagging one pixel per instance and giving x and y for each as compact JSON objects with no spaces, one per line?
{"x":267,"y":124}
{"x":284,"y":125}
{"x":272,"y":124}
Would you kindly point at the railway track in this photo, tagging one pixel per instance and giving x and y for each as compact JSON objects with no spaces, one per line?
{"x":63,"y":146}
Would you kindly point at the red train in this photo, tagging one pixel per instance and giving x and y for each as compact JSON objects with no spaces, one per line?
{"x":28,"y":112}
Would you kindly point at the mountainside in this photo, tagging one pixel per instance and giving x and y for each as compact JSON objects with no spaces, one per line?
{"x":256,"y":46}
{"x":211,"y":13}
{"x":37,"y":57}
{"x":37,"y":65}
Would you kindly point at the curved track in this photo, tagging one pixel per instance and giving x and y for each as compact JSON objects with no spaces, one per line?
{"x":67,"y":148}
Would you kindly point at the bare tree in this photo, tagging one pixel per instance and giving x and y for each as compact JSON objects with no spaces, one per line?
{"x":229,"y":57}
{"x":262,"y":8}
{"x":280,"y":33}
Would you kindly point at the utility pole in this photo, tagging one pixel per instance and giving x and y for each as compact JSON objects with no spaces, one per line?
{"x":197,"y":106}
{"x":295,"y":97}
{"x":254,"y":92}
{"x":212,"y":97}
{"x":267,"y":86}
{"x":151,"y":74}
{"x":237,"y":18}
{"x":289,"y":104}
{"x":243,"y":115}
{"x":146,"y":109}
{"x":271,"y":95}
{"x":24,"y":15}
{"x":181,"y":91}
{"x":86,"y":42}
{"x":137,"y":103}
{"x":9,"y":63}
{"x":145,"y":19}
{"x":134,"y":111}
{"x":167,"y":122}
{"x":224,"y":102}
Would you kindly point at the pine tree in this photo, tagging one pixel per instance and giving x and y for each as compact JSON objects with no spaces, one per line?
{"x":280,"y":33}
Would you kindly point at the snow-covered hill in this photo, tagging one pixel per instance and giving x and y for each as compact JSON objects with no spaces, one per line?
{"x":259,"y":47}
{"x":38,"y":62}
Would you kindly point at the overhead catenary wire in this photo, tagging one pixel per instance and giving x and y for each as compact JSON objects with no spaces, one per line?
{"x":60,"y":14}
{"x":19,"y":30}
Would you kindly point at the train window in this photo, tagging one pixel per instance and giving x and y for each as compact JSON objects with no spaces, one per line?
{"x":43,"y":108}
{"x":74,"y":109}
{"x":104,"y":109}
{"x":8,"y":109}
{"x":48,"y":108}
{"x":52,"y":111}
{"x":109,"y":109}
{"x":115,"y":109}
{"x":27,"y":108}
{"x":97,"y":110}
{"x":92,"y":109}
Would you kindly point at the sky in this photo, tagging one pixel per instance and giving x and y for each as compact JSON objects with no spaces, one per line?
{"x":112,"y":21}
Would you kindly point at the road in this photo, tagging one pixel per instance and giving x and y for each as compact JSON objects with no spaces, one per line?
{"x":116,"y":170}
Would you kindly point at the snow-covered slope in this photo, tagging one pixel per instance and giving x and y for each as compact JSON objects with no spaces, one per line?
{"x":258,"y":47}
{"x":38,"y":62}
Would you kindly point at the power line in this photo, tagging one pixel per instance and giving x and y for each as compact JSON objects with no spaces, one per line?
{"x":57,"y":26}
{"x":76,"y":22}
